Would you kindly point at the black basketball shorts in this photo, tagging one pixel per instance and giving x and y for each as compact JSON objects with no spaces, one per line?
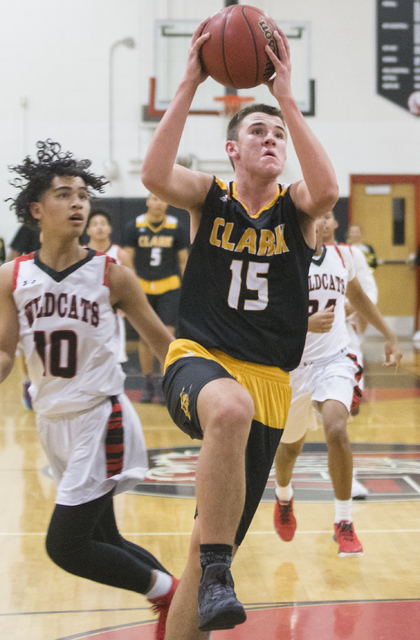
{"x":184,"y":378}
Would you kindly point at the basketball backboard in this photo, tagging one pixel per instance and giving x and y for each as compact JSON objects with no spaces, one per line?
{"x":171,"y":42}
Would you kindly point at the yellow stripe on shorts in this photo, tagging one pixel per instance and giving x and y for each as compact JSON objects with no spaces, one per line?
{"x":268,"y":386}
{"x":160,"y":286}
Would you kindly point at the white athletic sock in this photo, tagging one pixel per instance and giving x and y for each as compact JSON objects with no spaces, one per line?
{"x":284,"y":494}
{"x":161,"y":587}
{"x":342,"y":510}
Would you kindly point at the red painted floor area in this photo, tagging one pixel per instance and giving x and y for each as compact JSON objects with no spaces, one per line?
{"x":379,"y":395}
{"x":390,"y":620}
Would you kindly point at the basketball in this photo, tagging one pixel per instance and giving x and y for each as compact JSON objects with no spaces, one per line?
{"x":235,"y":53}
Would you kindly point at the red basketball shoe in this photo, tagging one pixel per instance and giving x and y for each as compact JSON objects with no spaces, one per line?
{"x":348,"y":542}
{"x":161,"y":606}
{"x":284,"y":519}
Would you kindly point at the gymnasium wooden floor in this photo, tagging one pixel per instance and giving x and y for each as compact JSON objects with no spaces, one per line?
{"x":297,"y":590}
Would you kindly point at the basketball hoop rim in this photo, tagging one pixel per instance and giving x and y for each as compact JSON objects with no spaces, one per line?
{"x":232,"y":103}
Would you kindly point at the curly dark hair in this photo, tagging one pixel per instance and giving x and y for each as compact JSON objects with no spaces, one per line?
{"x":35,"y":177}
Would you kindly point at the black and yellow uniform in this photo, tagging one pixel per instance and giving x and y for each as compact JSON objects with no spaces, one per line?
{"x":156,"y":252}
{"x":243,"y":315}
{"x":370,"y":255}
{"x":245,"y":288}
{"x":156,"y":262}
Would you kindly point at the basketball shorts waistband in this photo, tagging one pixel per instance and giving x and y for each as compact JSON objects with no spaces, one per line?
{"x":183,"y":348}
{"x":319,"y":362}
{"x":268,"y":386}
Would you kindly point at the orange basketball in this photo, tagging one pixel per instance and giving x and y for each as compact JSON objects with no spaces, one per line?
{"x":235,"y":53}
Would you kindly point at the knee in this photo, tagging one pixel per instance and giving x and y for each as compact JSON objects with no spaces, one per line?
{"x":289,"y":451}
{"x":237,"y":410}
{"x":336,"y":434}
{"x":232,"y":415}
{"x":56,"y":548}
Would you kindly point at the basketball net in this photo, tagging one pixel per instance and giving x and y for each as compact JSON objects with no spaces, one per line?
{"x":230,"y":104}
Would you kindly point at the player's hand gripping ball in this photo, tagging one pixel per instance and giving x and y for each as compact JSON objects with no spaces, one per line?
{"x":235,"y":55}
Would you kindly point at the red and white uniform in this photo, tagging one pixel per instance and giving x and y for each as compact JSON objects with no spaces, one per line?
{"x":368,"y":284}
{"x":329,"y":274}
{"x":67,"y":329}
{"x":327,"y":370}
{"x":68,"y":332}
{"x":113,"y":252}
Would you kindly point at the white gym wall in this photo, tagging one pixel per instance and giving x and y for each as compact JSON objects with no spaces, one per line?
{"x":54,"y":81}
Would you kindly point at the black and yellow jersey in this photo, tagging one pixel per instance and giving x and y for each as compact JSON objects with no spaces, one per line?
{"x":156,"y":246}
{"x":245,"y":288}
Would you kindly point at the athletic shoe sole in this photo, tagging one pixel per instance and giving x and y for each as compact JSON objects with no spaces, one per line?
{"x":225,"y":620}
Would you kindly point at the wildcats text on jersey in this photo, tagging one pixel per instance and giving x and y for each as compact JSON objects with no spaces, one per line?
{"x":261,"y":242}
{"x":64,"y":305}
{"x":326,"y":281}
{"x":328,"y":277}
{"x":68,"y":332}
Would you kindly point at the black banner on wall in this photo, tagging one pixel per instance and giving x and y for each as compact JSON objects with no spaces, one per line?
{"x":398,"y":52}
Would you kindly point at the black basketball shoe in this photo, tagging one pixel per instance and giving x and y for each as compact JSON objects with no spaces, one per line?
{"x":218,"y":607}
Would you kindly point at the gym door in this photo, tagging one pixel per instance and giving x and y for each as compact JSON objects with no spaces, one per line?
{"x":387,"y":214}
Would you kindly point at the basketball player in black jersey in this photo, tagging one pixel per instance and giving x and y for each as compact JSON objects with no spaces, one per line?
{"x":243,"y":319}
{"x":157,"y":245}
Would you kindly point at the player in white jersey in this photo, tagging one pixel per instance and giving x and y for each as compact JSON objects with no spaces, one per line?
{"x":60,"y":303}
{"x":325,"y":379}
{"x":356,"y":325}
{"x":99,"y":230}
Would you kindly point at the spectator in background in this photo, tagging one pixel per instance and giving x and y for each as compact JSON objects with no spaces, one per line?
{"x":99,"y":230}
{"x":158,"y":247}
{"x":355,"y":238}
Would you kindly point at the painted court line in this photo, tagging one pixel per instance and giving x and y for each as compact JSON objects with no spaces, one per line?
{"x":249,"y":533}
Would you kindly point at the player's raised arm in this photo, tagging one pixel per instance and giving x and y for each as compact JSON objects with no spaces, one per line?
{"x":9,"y":328}
{"x":172,"y":183}
{"x":317,"y":193}
{"x":127,"y":295}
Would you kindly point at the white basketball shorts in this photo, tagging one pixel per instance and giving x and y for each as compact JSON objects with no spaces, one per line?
{"x":315,"y":382}
{"x":95,"y":451}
